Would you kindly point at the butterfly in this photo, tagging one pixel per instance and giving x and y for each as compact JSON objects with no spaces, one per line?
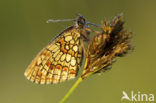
{"x":61,"y":59}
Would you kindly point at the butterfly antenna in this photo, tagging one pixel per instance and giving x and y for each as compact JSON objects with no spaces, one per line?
{"x":53,"y":21}
{"x":88,"y":23}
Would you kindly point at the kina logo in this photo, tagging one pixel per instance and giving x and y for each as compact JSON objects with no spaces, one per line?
{"x":137,"y":96}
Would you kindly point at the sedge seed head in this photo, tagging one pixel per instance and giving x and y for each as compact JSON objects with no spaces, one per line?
{"x":113,"y":41}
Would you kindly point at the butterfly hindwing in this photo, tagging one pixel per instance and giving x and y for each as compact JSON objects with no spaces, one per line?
{"x":59,"y":60}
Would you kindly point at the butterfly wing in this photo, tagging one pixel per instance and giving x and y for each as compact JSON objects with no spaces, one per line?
{"x":58,"y":61}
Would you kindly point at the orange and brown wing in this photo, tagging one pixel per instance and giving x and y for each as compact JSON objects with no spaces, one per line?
{"x":58,"y":61}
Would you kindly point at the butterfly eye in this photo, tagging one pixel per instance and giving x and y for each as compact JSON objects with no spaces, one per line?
{"x":81,"y":21}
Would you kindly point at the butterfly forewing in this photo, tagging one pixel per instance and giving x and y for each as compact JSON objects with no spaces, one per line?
{"x":59,"y":60}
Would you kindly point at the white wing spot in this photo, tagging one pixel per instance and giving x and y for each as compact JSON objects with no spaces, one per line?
{"x":39,"y":61}
{"x":63,"y":57}
{"x":58,"y":56}
{"x":75,"y":48}
{"x":68,"y":57}
{"x":52,"y":47}
{"x":68,"y":38}
{"x":73,"y":61}
{"x":55,"y":54}
{"x":72,"y":42}
{"x":67,"y":47}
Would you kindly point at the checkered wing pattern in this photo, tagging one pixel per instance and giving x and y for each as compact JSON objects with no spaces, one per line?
{"x":58,"y":61}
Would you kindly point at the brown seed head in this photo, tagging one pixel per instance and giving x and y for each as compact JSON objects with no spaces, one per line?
{"x":112,"y":42}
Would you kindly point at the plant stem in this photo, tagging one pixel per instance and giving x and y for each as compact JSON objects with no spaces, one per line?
{"x":71,"y":90}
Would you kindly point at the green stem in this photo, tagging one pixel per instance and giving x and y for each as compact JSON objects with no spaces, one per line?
{"x":71,"y":90}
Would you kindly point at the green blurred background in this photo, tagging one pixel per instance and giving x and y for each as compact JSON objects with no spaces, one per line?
{"x":24,"y":33}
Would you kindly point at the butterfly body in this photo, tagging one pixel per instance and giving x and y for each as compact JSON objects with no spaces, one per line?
{"x":61,"y":59}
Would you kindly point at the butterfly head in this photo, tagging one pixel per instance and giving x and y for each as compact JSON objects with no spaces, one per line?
{"x":80,"y":22}
{"x":82,"y":25}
